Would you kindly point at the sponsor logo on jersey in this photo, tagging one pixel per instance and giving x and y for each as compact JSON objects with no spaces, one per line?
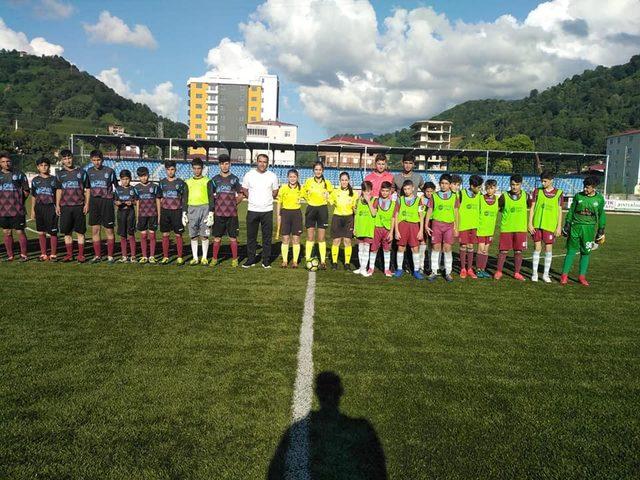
{"x":106,"y":175}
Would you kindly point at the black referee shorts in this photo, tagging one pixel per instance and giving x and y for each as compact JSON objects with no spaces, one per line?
{"x":171,"y":221}
{"x":342,"y":226}
{"x":46,"y":218}
{"x":291,"y":222}
{"x":72,"y":220}
{"x":126,"y":222}
{"x":101,"y":212}
{"x":316,"y":217}
{"x":225,"y":226}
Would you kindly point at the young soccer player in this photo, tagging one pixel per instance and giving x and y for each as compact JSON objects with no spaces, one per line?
{"x":488,"y":211}
{"x":199,"y":207}
{"x":584,"y":217}
{"x":43,"y":209}
{"x":513,"y":226}
{"x":289,"y":217}
{"x":172,"y":192}
{"x":72,"y":204}
{"x":409,"y":225}
{"x":102,"y":180}
{"x":545,"y":220}
{"x":469,"y":220}
{"x":227,"y":194}
{"x":442,"y":211}
{"x":14,"y":190}
{"x":364,"y":228}
{"x":147,"y":197}
{"x":125,"y":201}
{"x":342,"y":223}
{"x":384,"y":227}
{"x":428,"y":189}
{"x":456,"y":183}
{"x":316,"y":191}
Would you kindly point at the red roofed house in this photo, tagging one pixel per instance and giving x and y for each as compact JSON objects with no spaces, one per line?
{"x":347,"y":159}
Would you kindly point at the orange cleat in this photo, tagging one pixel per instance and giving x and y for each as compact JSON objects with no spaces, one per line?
{"x":497,"y":275}
{"x":463,"y":273}
{"x":471,"y":273}
{"x":518,"y":276}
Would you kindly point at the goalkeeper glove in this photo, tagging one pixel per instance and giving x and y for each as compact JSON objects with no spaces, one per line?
{"x":566,"y":229}
{"x":185,"y":219}
{"x":209,"y":221}
{"x":600,"y":236}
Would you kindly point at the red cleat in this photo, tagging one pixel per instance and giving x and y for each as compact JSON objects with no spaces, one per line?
{"x":471,"y":273}
{"x":463,"y":273}
{"x":518,"y":276}
{"x":564,"y":278}
{"x":497,"y":275}
{"x":583,"y":280}
{"x":68,"y":258}
{"x":81,"y":259}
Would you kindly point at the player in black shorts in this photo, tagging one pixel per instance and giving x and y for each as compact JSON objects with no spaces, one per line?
{"x":172,"y":191}
{"x":125,"y":200}
{"x":148,"y":201}
{"x":43,"y":209}
{"x":102,"y":181}
{"x":14,"y":190}
{"x":227,"y":192}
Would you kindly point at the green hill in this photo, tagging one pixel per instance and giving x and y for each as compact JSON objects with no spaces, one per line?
{"x":50,"y":98}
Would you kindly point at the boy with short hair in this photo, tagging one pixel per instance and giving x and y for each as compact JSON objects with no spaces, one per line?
{"x":199,"y":207}
{"x":443,"y":208}
{"x":545,"y":220}
{"x":147,"y":196}
{"x":125,"y":200}
{"x":583,"y":227}
{"x":469,"y":220}
{"x":102,"y":180}
{"x":364,"y":226}
{"x":428,"y":189}
{"x":384,"y":226}
{"x":488,"y":214}
{"x":43,"y":209}
{"x":172,"y":191}
{"x":409,"y":225}
{"x":513,"y":226}
{"x":14,"y":190}
{"x":227,"y":194}
{"x":456,"y":183}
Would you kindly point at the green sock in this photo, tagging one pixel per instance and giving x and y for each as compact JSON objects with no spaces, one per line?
{"x":568,"y":261}
{"x":584,"y":264}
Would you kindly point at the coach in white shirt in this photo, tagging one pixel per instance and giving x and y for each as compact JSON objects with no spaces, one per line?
{"x":260,"y":186}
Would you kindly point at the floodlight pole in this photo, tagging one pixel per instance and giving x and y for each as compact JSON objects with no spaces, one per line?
{"x":170,"y":148}
{"x":486,"y":165}
{"x":606,"y":175}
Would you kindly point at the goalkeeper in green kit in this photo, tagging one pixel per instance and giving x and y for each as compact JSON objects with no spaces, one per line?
{"x":583,"y":227}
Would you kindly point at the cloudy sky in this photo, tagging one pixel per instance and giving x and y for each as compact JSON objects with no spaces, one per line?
{"x":344,"y":65}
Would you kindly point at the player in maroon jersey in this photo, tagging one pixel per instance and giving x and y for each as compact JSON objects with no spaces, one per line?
{"x":14,"y":190}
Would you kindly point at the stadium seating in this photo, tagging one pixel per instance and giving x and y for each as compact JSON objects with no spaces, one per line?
{"x":569,"y":184}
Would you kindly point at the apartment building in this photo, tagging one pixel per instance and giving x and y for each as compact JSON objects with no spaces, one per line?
{"x":433,"y":134}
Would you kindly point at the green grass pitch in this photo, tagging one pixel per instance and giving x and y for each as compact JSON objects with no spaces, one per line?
{"x":145,"y":372}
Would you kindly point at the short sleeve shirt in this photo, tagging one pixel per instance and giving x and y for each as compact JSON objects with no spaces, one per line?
{"x":125,"y":194}
{"x":225,"y":191}
{"x":43,"y":189}
{"x":146,"y":196}
{"x":72,"y":184}
{"x":400,"y":178}
{"x":102,"y":182}
{"x":260,"y":187}
{"x":376,"y":180}
{"x":13,"y":187}
{"x":171,"y":193}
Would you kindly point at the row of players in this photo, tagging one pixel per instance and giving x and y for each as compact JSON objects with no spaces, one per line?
{"x":414,"y":219}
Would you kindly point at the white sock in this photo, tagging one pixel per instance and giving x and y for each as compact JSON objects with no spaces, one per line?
{"x":548,"y":257}
{"x":448,"y":262}
{"x":194,"y":248}
{"x":536,"y":261}
{"x":205,"y":247}
{"x":387,"y":259}
{"x":365,"y":255}
{"x":435,"y":261}
{"x":399,"y":260}
{"x":372,"y":259}
{"x":416,"y":260}
{"x":422,"y":250}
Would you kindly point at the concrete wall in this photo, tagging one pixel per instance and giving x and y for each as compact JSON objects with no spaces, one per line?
{"x":622,"y":175}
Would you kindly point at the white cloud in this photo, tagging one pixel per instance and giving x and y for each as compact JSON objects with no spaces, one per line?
{"x":354,"y":72}
{"x":12,"y":40}
{"x":54,"y":9}
{"x":231,"y":59}
{"x":112,"y":29}
{"x":162,"y":100}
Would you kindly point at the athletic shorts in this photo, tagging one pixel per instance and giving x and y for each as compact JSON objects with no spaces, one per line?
{"x":46,"y":218}
{"x":342,"y":226}
{"x":486,"y":240}
{"x":581,"y":237}
{"x":197,"y":218}
{"x":72,"y":219}
{"x":316,"y":217}
{"x":291,"y":222}
{"x":17,"y":222}
{"x":365,"y":240}
{"x":228,"y":226}
{"x":441,"y":232}
{"x":468,"y":237}
{"x":408,"y":234}
{"x":126,"y":222}
{"x":147,"y":223}
{"x":101,"y":212}
{"x":171,"y":221}
{"x":380,"y":240}
{"x":544,"y":236}
{"x":516,"y":241}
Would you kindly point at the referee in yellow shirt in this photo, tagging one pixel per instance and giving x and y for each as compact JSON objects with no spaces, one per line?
{"x":289,"y":217}
{"x":316,"y":191}
{"x":344,"y":201}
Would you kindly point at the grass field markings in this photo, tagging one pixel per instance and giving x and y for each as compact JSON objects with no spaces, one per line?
{"x":297,"y":456}
{"x":542,"y":256}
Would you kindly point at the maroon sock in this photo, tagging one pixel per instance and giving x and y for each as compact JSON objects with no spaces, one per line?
{"x":463,"y":259}
{"x":143,"y":243}
{"x":111,"y":246}
{"x":517,"y":260}
{"x":152,"y":243}
{"x":179,"y":245}
{"x":80,"y":250}
{"x":502,"y":256}
{"x":234,"y":248}
{"x":54,"y":244}
{"x":123,"y":247}
{"x":216,"y":249}
{"x":470,"y":259}
{"x":42,"y":240}
{"x":165,"y":246}
{"x":69,"y":248}
{"x":22,"y":241}
{"x":482,"y":261}
{"x":8,"y":244}
{"x":97,"y":249}
{"x":132,"y":245}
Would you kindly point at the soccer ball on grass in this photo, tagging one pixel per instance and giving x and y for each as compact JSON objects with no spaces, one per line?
{"x":313,"y":264}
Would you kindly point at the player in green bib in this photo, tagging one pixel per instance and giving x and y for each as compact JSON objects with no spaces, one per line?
{"x":584,"y":229}
{"x":545,"y":220}
{"x":488,"y":214}
{"x":443,"y":213}
{"x":384,"y":226}
{"x":469,"y":212}
{"x":513,"y":226}
{"x":409,"y":226}
{"x":363,"y":228}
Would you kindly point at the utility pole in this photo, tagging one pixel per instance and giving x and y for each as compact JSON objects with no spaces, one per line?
{"x":160,"y":130}
{"x":16,"y":125}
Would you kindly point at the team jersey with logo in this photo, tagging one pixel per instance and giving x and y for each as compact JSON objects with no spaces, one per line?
{"x":587,"y":210}
{"x":386,"y":208}
{"x":547,"y":208}
{"x":72,"y":184}
{"x":125,"y":194}
{"x":408,"y":209}
{"x":444,"y":205}
{"x":44,"y":189}
{"x":146,"y":196}
{"x":14,"y":189}
{"x":289,"y":198}
{"x":102,"y":181}
{"x":172,"y":193}
{"x":225,"y":191}
{"x":469,"y":209}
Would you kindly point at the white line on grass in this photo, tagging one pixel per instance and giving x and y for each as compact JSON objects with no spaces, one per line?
{"x":297,"y":456}
{"x":542,"y":256}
